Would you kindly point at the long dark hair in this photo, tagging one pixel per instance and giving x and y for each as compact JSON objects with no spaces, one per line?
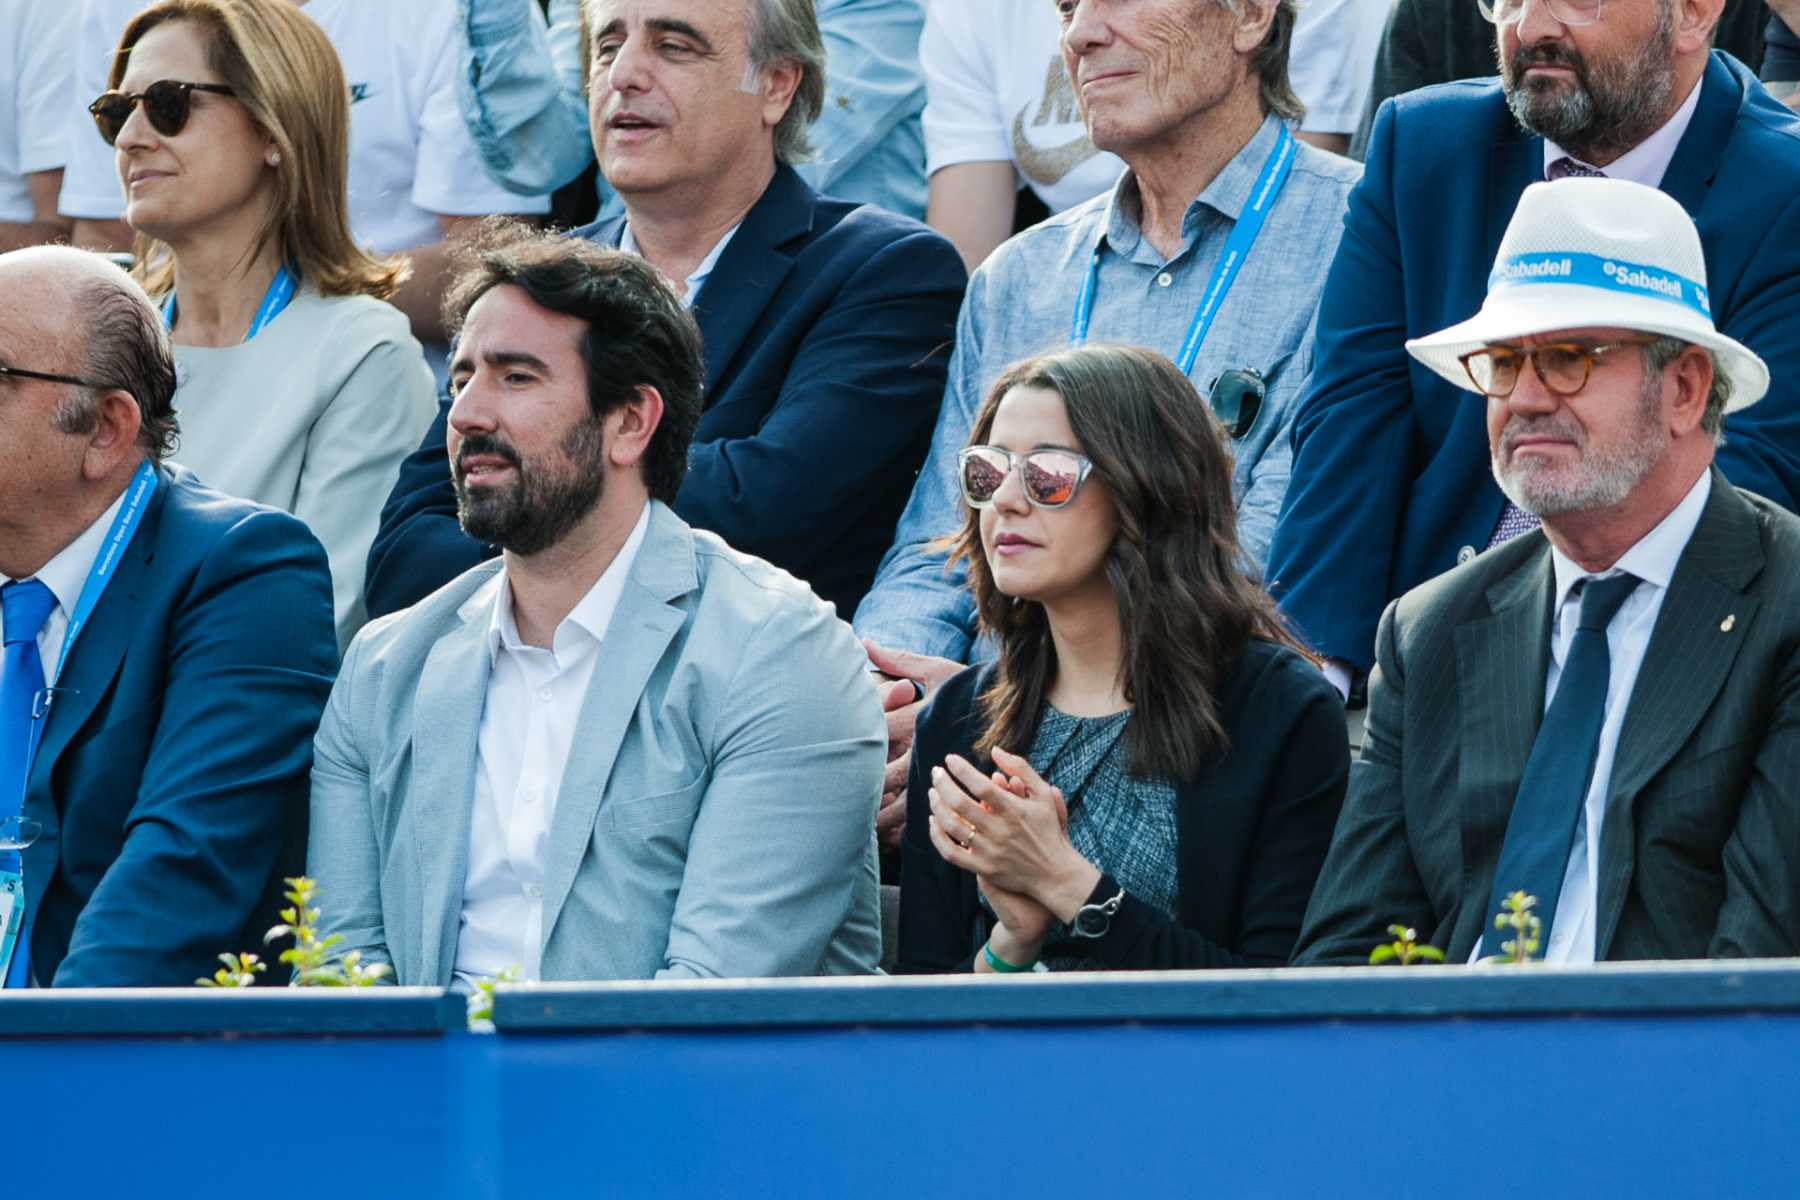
{"x":1186,"y":607}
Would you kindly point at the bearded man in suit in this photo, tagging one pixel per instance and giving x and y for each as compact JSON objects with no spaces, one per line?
{"x":1604,"y":714}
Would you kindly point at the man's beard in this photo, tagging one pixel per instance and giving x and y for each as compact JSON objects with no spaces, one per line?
{"x":543,"y":502}
{"x":1600,"y":479}
{"x":1608,"y":107}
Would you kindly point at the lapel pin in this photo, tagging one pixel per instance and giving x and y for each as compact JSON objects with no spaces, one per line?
{"x":1727,"y":623}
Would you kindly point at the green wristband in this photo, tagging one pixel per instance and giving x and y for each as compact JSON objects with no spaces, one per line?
{"x":1000,"y":965}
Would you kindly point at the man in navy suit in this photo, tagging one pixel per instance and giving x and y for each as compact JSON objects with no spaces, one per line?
{"x":168,"y":652}
{"x":1391,"y":475}
{"x":827,"y":326}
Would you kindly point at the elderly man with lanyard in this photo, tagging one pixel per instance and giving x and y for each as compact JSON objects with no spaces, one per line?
{"x":1604,"y":715}
{"x":1212,"y":248}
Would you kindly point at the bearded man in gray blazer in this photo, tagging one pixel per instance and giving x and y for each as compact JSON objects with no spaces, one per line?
{"x":1603,"y":714}
{"x":622,"y":750}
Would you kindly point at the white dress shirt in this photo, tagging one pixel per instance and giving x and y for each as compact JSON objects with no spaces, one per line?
{"x":1652,"y":559}
{"x":65,"y":575}
{"x":629,"y":245}
{"x":1648,"y":161}
{"x":534,"y":699}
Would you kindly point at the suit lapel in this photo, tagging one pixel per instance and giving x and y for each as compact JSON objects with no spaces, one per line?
{"x":82,"y":681}
{"x":1686,"y":663}
{"x":641,"y":629}
{"x":750,"y":270}
{"x":1690,"y":173}
{"x":446,"y":737}
{"x":1501,"y":662}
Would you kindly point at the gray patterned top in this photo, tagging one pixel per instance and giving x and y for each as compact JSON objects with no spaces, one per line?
{"x":1122,"y":823}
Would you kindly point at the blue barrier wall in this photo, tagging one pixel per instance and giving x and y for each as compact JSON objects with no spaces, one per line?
{"x":1659,"y":1081}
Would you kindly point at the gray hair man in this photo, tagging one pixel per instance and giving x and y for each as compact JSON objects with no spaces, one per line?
{"x":1603,"y":716}
{"x":1212,"y":248}
{"x":168,"y":651}
{"x":827,"y":325}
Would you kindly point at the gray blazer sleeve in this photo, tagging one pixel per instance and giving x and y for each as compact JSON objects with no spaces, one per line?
{"x":778,"y":849}
{"x":343,"y":855}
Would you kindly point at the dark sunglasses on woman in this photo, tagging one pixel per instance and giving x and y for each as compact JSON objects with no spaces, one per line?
{"x":167,"y":103}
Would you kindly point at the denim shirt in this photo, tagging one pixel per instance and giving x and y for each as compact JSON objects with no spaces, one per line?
{"x":520,"y":87}
{"x":1021,"y":302}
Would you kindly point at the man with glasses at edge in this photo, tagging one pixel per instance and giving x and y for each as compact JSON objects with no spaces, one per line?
{"x":168,"y":652}
{"x":1603,"y":714}
{"x":1212,"y":250}
{"x":1390,"y":479}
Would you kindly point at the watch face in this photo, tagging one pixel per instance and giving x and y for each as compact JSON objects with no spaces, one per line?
{"x":1091,"y":921}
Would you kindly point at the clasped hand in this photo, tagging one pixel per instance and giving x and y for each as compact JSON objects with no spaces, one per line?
{"x":1011,"y":829}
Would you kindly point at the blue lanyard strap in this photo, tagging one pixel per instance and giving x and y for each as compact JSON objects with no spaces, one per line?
{"x":118,"y":536}
{"x":281,"y":291}
{"x":1231,"y":260}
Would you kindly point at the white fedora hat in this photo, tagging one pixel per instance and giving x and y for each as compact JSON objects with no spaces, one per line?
{"x":1596,"y":252}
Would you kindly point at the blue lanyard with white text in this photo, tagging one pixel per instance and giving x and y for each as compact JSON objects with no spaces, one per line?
{"x":1231,"y":259}
{"x":281,"y":291}
{"x":118,"y":536}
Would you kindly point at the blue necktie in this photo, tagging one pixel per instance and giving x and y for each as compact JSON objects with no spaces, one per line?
{"x":1535,"y":854}
{"x":24,"y":606}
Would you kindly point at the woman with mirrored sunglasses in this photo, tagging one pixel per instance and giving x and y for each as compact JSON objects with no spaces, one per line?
{"x":299,"y":385}
{"x":1149,"y":774}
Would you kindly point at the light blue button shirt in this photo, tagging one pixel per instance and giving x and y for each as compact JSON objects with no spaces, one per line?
{"x":520,"y":87}
{"x":1020,"y":302}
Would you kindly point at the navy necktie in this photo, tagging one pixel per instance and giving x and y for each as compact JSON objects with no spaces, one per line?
{"x":1535,"y":854}
{"x":24,"y":606}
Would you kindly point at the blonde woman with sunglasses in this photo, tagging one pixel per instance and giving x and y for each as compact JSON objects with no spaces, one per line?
{"x":299,"y":385}
{"x":1149,"y":774}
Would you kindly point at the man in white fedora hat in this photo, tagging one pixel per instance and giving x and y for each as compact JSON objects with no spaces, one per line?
{"x":1604,"y":714}
{"x":1390,"y":481}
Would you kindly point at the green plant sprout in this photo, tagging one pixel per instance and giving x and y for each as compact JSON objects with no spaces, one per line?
{"x":239,"y":971}
{"x":1404,"y":949}
{"x":481,"y":1000}
{"x":1517,"y":916}
{"x":313,"y":959}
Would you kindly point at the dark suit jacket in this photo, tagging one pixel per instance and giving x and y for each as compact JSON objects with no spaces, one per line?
{"x":172,"y":779}
{"x":1252,"y":830}
{"x":827,"y":328}
{"x":1391,"y":475}
{"x":1698,"y":848}
{"x":1441,"y":41}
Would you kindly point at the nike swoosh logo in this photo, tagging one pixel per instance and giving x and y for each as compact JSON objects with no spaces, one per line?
{"x":1048,"y":164}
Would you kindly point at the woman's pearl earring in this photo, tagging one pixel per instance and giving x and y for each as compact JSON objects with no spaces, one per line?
{"x":274,"y":158}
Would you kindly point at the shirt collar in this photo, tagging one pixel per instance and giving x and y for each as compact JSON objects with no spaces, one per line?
{"x":1226,"y":195}
{"x":590,"y":616}
{"x":67,"y":571}
{"x":1653,"y":557}
{"x":697,"y":280}
{"x":1648,"y":161}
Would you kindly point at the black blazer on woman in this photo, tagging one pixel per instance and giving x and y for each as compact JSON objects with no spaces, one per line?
{"x":1252,"y":829}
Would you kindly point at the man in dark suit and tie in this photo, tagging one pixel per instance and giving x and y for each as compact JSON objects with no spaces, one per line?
{"x":827,"y":326}
{"x":1391,"y":485}
{"x":1604,"y":714}
{"x":168,"y":651}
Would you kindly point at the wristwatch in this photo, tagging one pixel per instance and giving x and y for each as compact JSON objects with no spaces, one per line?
{"x":1093,"y":920}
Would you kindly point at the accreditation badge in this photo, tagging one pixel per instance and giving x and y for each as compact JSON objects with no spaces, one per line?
{"x":12,"y":916}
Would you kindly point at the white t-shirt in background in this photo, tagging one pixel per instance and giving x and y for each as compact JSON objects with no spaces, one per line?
{"x":1331,"y":63}
{"x":411,"y":157}
{"x":996,"y":91}
{"x":36,"y":39}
